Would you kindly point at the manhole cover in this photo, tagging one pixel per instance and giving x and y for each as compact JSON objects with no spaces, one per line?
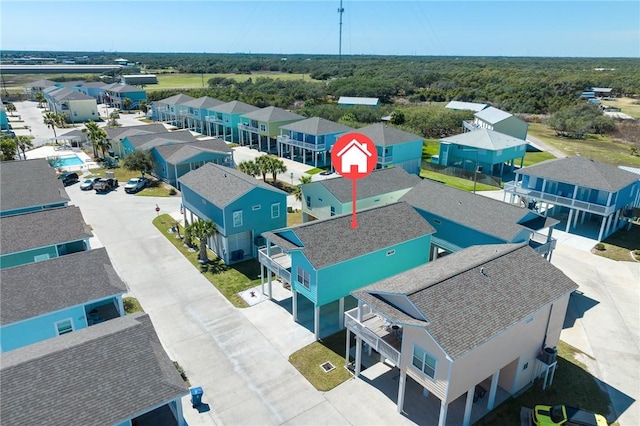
{"x":327,"y":366}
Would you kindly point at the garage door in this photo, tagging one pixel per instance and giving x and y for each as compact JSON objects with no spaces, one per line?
{"x":240,"y":246}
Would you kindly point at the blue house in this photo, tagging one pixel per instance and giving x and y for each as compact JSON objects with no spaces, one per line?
{"x":116,"y":96}
{"x":170,"y":109}
{"x":197,"y":112}
{"x":261,"y":128}
{"x":242,"y":207}
{"x":175,"y":160}
{"x":57,"y":296}
{"x":115,"y":373}
{"x":395,"y":147}
{"x":94,"y":89}
{"x":578,"y":189}
{"x":117,"y":134}
{"x":45,"y":189}
{"x":310,"y":140}
{"x":324,"y":260}
{"x":330,"y":197}
{"x":222,"y":120}
{"x":4,"y":120}
{"x":482,"y":149}
{"x":41,"y":235}
{"x":463,"y":219}
{"x":501,"y":121}
{"x":146,"y":141}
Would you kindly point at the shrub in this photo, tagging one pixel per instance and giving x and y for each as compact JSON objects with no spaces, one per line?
{"x":173,"y":191}
{"x":600,"y":247}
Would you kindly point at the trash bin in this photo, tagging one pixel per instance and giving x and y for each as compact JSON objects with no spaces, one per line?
{"x":196,"y":396}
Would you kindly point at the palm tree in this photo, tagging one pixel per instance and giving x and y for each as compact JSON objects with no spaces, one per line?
{"x":126,"y":103}
{"x":40,"y":99}
{"x":276,"y":166}
{"x":264,"y":165}
{"x":24,"y":143}
{"x":51,"y":120}
{"x":97,"y":136}
{"x":203,"y":230}
{"x":249,"y":167}
{"x":11,"y":108}
{"x":297,"y":191}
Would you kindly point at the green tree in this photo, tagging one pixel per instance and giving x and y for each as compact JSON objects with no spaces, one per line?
{"x":297,"y":191}
{"x":126,"y":103}
{"x":249,"y":167}
{"x":8,"y":148}
{"x":39,"y":97}
{"x":138,"y":160}
{"x":97,"y":136}
{"x":144,"y":107}
{"x":51,"y":119}
{"x":203,"y":230}
{"x":397,"y":118}
{"x":113,"y":119}
{"x":264,"y":165}
{"x":276,"y":166}
{"x":11,"y":108}
{"x":23,"y":143}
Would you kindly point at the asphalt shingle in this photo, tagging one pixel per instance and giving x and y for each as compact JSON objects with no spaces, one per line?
{"x":317,"y":126}
{"x":177,"y":153}
{"x":234,"y":107}
{"x":383,"y":135}
{"x":115,"y":133}
{"x":272,"y":114}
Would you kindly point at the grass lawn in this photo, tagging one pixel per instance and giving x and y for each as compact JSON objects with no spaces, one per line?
{"x":430,"y":147}
{"x":156,"y":188}
{"x":197,"y":81}
{"x":316,"y":170}
{"x":131,"y":305}
{"x":308,"y":360}
{"x":619,"y":245}
{"x":628,"y":106}
{"x":456,"y":182}
{"x":598,"y":147}
{"x":229,"y":280}
{"x":572,"y":385}
{"x":535,"y":157}
{"x":294,"y":218}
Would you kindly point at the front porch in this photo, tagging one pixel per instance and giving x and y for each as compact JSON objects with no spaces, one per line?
{"x":97,"y":313}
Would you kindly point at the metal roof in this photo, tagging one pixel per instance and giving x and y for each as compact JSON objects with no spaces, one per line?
{"x":355,"y":100}
{"x":492,"y":115}
{"x":485,"y":139}
{"x":471,"y":106}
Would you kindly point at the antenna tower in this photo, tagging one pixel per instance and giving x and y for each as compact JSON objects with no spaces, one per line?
{"x":340,"y":11}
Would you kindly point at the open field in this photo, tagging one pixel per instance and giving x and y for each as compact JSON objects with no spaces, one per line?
{"x":197,"y":81}
{"x":597,"y":147}
{"x":628,"y":106}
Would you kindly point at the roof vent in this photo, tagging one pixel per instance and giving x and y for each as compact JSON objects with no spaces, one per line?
{"x":483,"y":272}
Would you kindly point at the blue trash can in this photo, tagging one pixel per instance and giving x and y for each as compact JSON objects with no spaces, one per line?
{"x":196,"y":396}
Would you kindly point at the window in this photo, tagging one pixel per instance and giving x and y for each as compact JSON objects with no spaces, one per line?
{"x":303,"y":277}
{"x":256,"y":207}
{"x":333,"y":211}
{"x":64,"y":327}
{"x":424,"y":362}
{"x":237,"y":218}
{"x":275,"y":210}
{"x":308,"y":202}
{"x":263,"y":128}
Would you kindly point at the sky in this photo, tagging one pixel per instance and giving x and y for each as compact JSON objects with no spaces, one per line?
{"x":575,"y":28}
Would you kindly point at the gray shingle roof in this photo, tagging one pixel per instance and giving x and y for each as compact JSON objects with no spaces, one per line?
{"x":381,"y":181}
{"x":42,"y":83}
{"x":51,"y":285}
{"x":175,"y":154}
{"x":148,"y":141}
{"x":317,"y":126}
{"x":125,"y":88}
{"x":176,"y":99}
{"x":100,"y":375}
{"x":582,"y":171}
{"x":234,"y":107}
{"x":383,"y":135}
{"x":331,"y":241}
{"x":203,"y":102}
{"x":36,"y":175}
{"x":68,"y":94}
{"x":485,"y":139}
{"x":272,"y":115}
{"x":42,"y":229}
{"x":492,"y":115}
{"x":93,"y":84}
{"x":465,"y":308}
{"x":475,"y":211}
{"x":222,"y":185}
{"x":115,"y":133}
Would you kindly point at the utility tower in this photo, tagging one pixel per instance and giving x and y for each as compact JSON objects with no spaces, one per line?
{"x":340,"y":11}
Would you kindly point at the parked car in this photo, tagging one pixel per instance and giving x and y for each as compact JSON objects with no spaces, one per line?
{"x":135,"y":185}
{"x":105,"y":185}
{"x":69,"y":178}
{"x":546,"y":415}
{"x":88,"y":183}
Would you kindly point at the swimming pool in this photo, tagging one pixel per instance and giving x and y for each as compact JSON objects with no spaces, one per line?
{"x":70,"y":160}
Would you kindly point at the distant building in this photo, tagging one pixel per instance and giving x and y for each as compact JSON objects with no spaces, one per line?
{"x":139,"y":79}
{"x":468,"y":106}
{"x":501,"y":121}
{"x":358,"y":101}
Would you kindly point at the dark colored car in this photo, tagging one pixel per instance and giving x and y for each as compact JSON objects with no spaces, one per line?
{"x":69,"y":178}
{"x":105,"y":185}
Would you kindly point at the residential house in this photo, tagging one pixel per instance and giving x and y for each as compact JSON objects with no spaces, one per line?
{"x":45,"y":191}
{"x":581,"y":187}
{"x":57,"y":296}
{"x":463,"y":219}
{"x":464,"y":106}
{"x":242,"y":208}
{"x":312,"y":138}
{"x":324,"y":260}
{"x":75,"y":85}
{"x":115,"y":373}
{"x":41,"y":235}
{"x":395,"y":147}
{"x":195,"y":112}
{"x":330,"y":197}
{"x":38,"y":87}
{"x":462,"y":326}
{"x":222,"y":120}
{"x":173,"y":161}
{"x":144,"y":142}
{"x":170,"y":109}
{"x":117,"y":95}
{"x":484,"y":150}
{"x":4,"y":119}
{"x":76,"y":106}
{"x":94,"y":89}
{"x":495,"y":119}
{"x":260,"y":128}
{"x":358,"y":101}
{"x":75,"y":138}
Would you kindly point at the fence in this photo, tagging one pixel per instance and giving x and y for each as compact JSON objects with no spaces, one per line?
{"x":462,"y":173}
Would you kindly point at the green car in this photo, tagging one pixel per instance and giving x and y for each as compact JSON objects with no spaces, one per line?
{"x":547,"y":415}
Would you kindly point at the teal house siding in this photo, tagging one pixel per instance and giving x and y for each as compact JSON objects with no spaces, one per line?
{"x":22,"y":258}
{"x":395,"y":147}
{"x":32,"y":209}
{"x":201,"y":207}
{"x":222,"y":120}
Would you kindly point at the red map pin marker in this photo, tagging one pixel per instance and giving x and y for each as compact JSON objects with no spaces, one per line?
{"x":354,"y":156}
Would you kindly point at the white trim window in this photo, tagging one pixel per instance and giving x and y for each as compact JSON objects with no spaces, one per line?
{"x":303,"y":277}
{"x":424,"y":362}
{"x":64,"y":326}
{"x":237,"y":219}
{"x":275,"y":210}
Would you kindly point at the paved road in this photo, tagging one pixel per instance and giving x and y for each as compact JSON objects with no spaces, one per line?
{"x":546,"y":147}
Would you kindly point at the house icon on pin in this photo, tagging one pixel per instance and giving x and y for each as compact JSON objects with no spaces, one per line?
{"x":354,"y":154}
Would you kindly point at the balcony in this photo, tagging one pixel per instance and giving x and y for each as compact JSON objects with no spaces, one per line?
{"x":213,"y":119}
{"x":277,"y":261}
{"x":385,"y":159}
{"x":312,"y":146}
{"x":557,"y":200}
{"x":539,"y":243}
{"x":247,"y":128}
{"x":468,"y":126}
{"x":376,"y":332}
{"x":102,"y":313}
